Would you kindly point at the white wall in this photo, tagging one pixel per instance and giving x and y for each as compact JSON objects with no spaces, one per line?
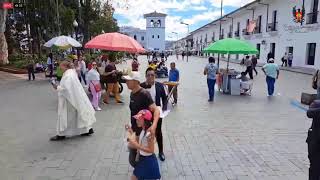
{"x":152,"y":33}
{"x":289,"y":33}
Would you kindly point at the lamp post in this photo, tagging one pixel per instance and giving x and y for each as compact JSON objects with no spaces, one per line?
{"x":75,"y":25}
{"x":187,"y":39}
{"x":177,"y":35}
{"x":220,"y":30}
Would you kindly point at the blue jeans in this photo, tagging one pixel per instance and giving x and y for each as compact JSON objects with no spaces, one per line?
{"x":318,"y":93}
{"x":211,"y":83}
{"x":270,"y":84}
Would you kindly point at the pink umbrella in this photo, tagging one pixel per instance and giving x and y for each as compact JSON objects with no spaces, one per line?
{"x":115,"y":42}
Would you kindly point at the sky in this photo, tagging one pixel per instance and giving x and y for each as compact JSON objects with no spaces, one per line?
{"x":194,"y":12}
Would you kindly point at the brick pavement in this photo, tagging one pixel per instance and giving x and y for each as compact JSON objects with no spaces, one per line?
{"x":233,"y":138}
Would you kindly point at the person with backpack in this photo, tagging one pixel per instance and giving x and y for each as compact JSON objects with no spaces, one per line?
{"x":210,"y":71}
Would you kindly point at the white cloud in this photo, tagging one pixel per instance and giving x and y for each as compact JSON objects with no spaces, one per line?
{"x":133,"y":11}
{"x":234,"y":3}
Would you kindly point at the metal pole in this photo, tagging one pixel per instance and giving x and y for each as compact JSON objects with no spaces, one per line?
{"x":58,"y":17}
{"x":302,"y":10}
{"x":188,"y":45}
{"x":220,"y":32}
{"x":267,"y":17}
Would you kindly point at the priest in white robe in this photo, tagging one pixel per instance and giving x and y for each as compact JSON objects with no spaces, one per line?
{"x":75,"y":112}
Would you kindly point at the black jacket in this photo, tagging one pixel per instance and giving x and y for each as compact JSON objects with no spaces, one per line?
{"x":161,"y":95}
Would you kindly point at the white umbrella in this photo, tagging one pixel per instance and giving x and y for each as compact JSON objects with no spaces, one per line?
{"x":64,"y":42}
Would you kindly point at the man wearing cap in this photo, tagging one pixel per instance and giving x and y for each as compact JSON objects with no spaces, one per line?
{"x":159,"y":96}
{"x":271,"y":70}
{"x":313,"y":140}
{"x":140,"y":99}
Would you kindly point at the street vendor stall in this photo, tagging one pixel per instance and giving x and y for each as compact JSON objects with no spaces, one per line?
{"x":226,"y":79}
{"x":174,"y":86}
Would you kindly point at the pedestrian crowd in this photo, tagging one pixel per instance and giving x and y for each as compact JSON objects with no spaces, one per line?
{"x":148,"y":98}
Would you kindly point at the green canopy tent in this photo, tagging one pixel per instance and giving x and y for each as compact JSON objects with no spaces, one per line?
{"x":231,"y":46}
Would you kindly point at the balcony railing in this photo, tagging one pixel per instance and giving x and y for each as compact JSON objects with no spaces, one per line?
{"x":237,"y":34}
{"x":312,"y":17}
{"x":230,"y":35}
{"x":272,"y":27}
{"x":245,"y":32}
{"x":257,"y":30}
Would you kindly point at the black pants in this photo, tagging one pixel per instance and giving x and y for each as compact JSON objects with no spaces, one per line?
{"x":285,"y":63}
{"x":313,"y":141}
{"x":249,"y":70}
{"x":51,"y":70}
{"x":135,"y":128}
{"x":83,"y":75}
{"x":254,"y":69}
{"x":31,"y":73}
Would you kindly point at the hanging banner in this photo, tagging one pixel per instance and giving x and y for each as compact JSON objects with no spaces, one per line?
{"x":251,"y":26}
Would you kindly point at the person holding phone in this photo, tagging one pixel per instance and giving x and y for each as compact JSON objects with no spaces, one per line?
{"x":75,"y":112}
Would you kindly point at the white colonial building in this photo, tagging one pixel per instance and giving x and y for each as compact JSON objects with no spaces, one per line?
{"x":153,"y":38}
{"x":274,"y":30}
{"x":136,"y":33}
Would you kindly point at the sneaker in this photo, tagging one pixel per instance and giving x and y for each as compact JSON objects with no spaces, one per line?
{"x":57,"y":138}
{"x":105,"y":102}
{"x":88,"y":133}
{"x":162,"y":157}
{"x":98,"y":109}
{"x":119,"y":102}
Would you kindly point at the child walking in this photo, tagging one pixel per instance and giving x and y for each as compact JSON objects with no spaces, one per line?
{"x":146,"y":166}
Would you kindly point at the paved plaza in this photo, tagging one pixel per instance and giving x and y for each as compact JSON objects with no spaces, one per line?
{"x":234,"y":138}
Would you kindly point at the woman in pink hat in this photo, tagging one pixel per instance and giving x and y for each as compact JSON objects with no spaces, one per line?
{"x":146,"y":166}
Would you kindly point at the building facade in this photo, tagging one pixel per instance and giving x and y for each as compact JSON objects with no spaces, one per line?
{"x":272,"y":26}
{"x":153,"y":38}
{"x":136,"y":33}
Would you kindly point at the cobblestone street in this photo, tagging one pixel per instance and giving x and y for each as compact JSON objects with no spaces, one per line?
{"x":234,"y":138}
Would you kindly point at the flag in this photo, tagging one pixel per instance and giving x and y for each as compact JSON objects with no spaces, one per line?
{"x":251,"y":26}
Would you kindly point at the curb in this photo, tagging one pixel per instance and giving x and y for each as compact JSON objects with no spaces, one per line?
{"x":13,"y":70}
{"x":281,"y":68}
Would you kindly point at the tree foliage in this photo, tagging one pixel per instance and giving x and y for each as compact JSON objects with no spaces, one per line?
{"x":38,"y":21}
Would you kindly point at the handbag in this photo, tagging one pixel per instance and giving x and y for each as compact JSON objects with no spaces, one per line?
{"x":315,"y":81}
{"x":97,"y":86}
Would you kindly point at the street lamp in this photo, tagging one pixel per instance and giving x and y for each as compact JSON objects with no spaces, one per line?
{"x":75,"y":25}
{"x":187,"y":38}
{"x":220,"y":28}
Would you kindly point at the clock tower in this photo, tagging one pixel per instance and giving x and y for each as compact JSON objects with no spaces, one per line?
{"x":155,"y":31}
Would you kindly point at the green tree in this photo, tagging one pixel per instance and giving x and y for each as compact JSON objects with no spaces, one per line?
{"x":67,"y":16}
{"x":3,"y":42}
